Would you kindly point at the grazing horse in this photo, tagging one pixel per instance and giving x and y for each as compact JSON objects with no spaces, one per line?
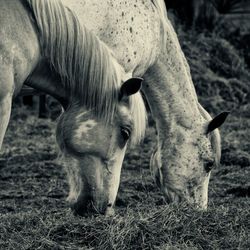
{"x":145,"y":44}
{"x":43,"y":45}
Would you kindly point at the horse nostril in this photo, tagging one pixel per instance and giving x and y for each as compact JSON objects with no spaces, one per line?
{"x":172,"y":196}
{"x":83,"y":206}
{"x":87,"y":207}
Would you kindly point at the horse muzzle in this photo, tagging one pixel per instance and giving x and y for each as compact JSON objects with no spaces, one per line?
{"x":87,"y":207}
{"x":172,"y":196}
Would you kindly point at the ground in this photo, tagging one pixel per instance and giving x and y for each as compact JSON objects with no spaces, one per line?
{"x":33,"y":188}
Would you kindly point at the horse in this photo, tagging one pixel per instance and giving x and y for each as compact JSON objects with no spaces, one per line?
{"x":144,"y":42}
{"x":44,"y":46}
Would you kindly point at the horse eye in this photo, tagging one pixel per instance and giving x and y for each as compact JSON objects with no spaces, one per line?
{"x":125,"y":132}
{"x":208,"y":166}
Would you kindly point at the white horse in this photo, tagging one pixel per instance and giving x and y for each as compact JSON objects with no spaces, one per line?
{"x":43,"y":45}
{"x":144,"y":43}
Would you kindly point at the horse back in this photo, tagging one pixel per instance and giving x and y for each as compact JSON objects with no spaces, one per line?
{"x":129,"y":28}
{"x":19,"y":46}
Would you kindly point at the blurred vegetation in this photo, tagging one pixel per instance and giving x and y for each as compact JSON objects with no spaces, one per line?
{"x":206,"y":13}
{"x":220,"y":73}
{"x":218,"y":52}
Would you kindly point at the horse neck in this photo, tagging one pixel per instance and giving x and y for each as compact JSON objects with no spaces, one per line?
{"x":45,"y":79}
{"x":171,"y":87}
{"x":170,"y":84}
{"x":176,"y":107}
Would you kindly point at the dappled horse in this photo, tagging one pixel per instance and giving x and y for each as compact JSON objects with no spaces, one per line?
{"x":145,"y":44}
{"x":43,"y":45}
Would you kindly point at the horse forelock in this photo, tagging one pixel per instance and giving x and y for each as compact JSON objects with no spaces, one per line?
{"x":139,"y":116}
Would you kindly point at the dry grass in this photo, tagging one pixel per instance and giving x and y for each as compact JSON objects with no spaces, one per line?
{"x":162,"y":227}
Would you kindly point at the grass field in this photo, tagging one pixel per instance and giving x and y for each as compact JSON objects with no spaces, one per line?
{"x":33,"y":188}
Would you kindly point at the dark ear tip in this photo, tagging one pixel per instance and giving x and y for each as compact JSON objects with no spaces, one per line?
{"x":139,"y":78}
{"x":226,"y":113}
{"x":223,"y":114}
{"x":138,"y":81}
{"x":217,"y":121}
{"x":130,"y":87}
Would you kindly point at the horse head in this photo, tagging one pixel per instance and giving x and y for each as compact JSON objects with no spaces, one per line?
{"x":94,"y":149}
{"x":191,"y":154}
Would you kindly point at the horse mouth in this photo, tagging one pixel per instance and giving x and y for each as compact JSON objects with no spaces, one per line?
{"x":172,"y":196}
{"x":176,"y":196}
{"x":109,"y":210}
{"x":89,"y":208}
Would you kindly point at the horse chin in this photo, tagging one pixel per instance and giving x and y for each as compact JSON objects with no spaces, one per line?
{"x":88,"y":208}
{"x":172,"y":196}
{"x":109,"y":211}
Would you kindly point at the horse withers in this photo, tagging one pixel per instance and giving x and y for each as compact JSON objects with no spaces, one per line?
{"x":103,"y":107}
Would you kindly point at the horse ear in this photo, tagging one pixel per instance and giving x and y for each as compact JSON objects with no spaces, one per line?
{"x":217,"y":122}
{"x":130,"y":87}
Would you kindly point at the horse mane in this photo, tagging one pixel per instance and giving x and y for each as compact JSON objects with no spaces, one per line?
{"x":90,"y":73}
